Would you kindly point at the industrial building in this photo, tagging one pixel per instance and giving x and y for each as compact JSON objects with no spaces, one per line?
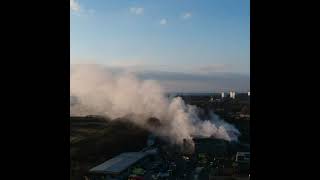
{"x":215,"y":147}
{"x":119,"y":167}
{"x":242,"y":162}
{"x":243,"y":157}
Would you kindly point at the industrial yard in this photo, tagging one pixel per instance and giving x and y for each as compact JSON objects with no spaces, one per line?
{"x":115,"y":149}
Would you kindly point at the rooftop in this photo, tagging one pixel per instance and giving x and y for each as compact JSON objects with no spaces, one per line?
{"x":119,"y":163}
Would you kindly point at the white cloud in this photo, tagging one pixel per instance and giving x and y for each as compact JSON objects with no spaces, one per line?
{"x":163,"y":21}
{"x":136,"y":10}
{"x":79,"y":10}
{"x":141,"y":65}
{"x":186,"y":15}
{"x":74,"y":5}
{"x":209,"y":68}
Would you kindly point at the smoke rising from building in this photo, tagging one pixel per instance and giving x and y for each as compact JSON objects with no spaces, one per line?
{"x":101,"y":92}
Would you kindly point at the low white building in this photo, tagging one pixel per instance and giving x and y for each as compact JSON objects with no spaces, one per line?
{"x":119,"y":167}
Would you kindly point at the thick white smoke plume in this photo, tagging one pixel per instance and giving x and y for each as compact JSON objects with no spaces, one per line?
{"x":101,"y":92}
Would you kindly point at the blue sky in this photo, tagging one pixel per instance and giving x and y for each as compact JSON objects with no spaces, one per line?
{"x":196,"y":36}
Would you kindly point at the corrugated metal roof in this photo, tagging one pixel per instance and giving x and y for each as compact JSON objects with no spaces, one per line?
{"x":119,"y":163}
